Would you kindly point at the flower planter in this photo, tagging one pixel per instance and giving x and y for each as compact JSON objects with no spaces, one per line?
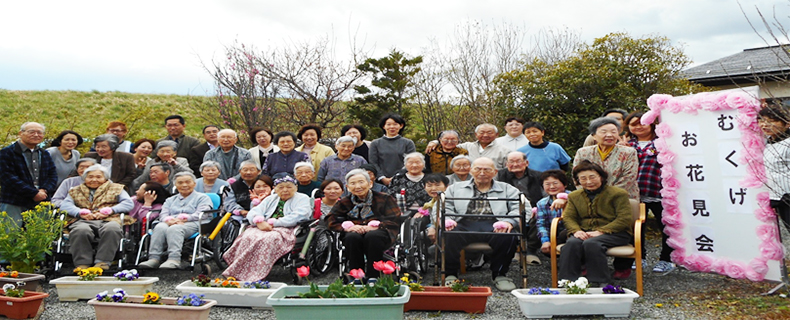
{"x":132,"y":309}
{"x":593,"y":303}
{"x":71,"y":289}
{"x":233,"y":297}
{"x":21,"y":308}
{"x":286,"y":307}
{"x":31,"y":280}
{"x":443,"y":299}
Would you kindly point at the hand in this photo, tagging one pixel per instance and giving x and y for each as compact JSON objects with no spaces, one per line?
{"x":581,"y":235}
{"x":431,"y":233}
{"x":172,"y":162}
{"x":41,"y":195}
{"x":448,"y":228}
{"x":141,"y":163}
{"x":559,"y":204}
{"x":386,"y":181}
{"x":172,"y":222}
{"x":358,"y":229}
{"x":431,"y":145}
{"x":264,"y":226}
{"x":594,"y":234}
{"x":505,"y":230}
{"x":149,"y":197}
{"x":89,"y":216}
{"x":545,"y":247}
{"x":243,"y":213}
{"x":98,"y":216}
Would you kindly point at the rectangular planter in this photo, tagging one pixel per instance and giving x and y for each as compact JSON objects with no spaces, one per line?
{"x":593,"y":303}
{"x":71,"y":289}
{"x":443,"y":299}
{"x":316,"y":309}
{"x":233,"y":297}
{"x":31,"y":280}
{"x":132,"y":309}
{"x":21,"y":308}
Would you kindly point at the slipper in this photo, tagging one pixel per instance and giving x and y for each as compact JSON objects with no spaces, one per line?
{"x":533,"y":260}
{"x":504,"y":284}
{"x":448,"y":280}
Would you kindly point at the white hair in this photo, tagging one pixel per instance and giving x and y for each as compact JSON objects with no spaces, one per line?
{"x":228,"y":130}
{"x":185,"y":174}
{"x":357,"y":172}
{"x":486,"y":125}
{"x":345,"y":139}
{"x":94,"y":168}
{"x":303,"y":164}
{"x":417,"y":155}
{"x":23,"y":127}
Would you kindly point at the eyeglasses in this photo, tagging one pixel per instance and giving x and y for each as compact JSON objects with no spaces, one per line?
{"x":116,"y":130}
{"x":552,"y":184}
{"x":450,"y":140}
{"x":34,"y":132}
{"x":486,"y":170}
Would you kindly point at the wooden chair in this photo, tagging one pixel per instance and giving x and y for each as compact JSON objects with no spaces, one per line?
{"x":627,"y":251}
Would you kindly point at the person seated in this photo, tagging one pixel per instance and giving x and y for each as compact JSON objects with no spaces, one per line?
{"x":142,"y":149}
{"x":366,"y":220}
{"x":332,"y":190}
{"x":410,"y":182}
{"x":239,"y":202}
{"x":304,"y":173}
{"x":178,"y":220}
{"x":165,"y":153}
{"x":482,"y":186}
{"x":270,"y":234}
{"x":210,"y":181}
{"x":596,"y":217}
{"x":526,"y":180}
{"x":461,"y":165}
{"x":554,"y":182}
{"x":94,"y":208}
{"x":149,"y":198}
{"x":434,"y":184}
{"x":71,"y":182}
{"x":543,"y":155}
{"x":373,"y":173}
{"x":337,"y":166}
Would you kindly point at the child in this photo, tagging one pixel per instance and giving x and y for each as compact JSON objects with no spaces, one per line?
{"x":543,"y":155}
{"x":554,"y":182}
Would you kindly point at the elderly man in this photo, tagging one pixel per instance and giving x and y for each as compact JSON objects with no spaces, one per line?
{"x":228,"y":155}
{"x":197,"y":152}
{"x":160,"y":173}
{"x":485,"y":146}
{"x":241,"y":202}
{"x":526,"y":180}
{"x":27,"y":173}
{"x":482,"y":186}
{"x":179,"y":220}
{"x":175,"y":125}
{"x":438,"y":160}
{"x":338,"y":165}
{"x":514,"y":137}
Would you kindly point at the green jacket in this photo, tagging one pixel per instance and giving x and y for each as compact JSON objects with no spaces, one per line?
{"x":609,"y":212}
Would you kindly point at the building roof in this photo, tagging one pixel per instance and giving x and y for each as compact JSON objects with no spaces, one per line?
{"x":747,"y":66}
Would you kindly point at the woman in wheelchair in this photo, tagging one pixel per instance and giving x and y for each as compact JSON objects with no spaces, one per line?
{"x":179,"y":219}
{"x":94,"y":207}
{"x":412,"y":182}
{"x":332,"y":189}
{"x":367,"y":221}
{"x":271,"y":232}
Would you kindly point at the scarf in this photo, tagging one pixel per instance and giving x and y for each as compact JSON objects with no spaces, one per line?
{"x":362,"y":208}
{"x":106,"y":195}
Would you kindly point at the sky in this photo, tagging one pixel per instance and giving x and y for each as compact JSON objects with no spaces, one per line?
{"x":146,"y":46}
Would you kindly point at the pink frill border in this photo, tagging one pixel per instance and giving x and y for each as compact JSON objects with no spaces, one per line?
{"x":747,"y":106}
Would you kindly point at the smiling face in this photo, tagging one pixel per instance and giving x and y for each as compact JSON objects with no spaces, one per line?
{"x":32,"y":135}
{"x":534,"y":135}
{"x":516,"y":162}
{"x":449,"y":141}
{"x":392,"y":127}
{"x":263,"y":138}
{"x":486,"y":134}
{"x":344,"y":150}
{"x":333,"y":191}
{"x":103,"y":149}
{"x":210,"y":173}
{"x":94,"y":179}
{"x":433,"y":188}
{"x":185,"y":185}
{"x":359,"y":186}
{"x":145,"y":149}
{"x":414,"y":166}
{"x":261,"y":188}
{"x":514,"y":128}
{"x":552,"y":186}
{"x":286,"y":144}
{"x":461,"y":167}
{"x":607,"y":135}
{"x":590,"y":180}
{"x":639,"y":130}
{"x":249,"y":172}
{"x":304,"y":175}
{"x":69,"y":142}
{"x":310,"y":138}
{"x":285,"y":190}
{"x":165,"y":153}
{"x":227,"y":140}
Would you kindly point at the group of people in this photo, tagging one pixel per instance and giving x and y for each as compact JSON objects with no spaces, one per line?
{"x":366,"y":189}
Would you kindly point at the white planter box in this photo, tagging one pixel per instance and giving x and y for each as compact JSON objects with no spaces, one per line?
{"x":72,"y":289}
{"x":593,"y":303}
{"x":233,"y":297}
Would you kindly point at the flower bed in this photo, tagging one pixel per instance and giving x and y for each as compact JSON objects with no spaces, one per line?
{"x":234,"y":297}
{"x":73,"y":289}
{"x":150,"y":306}
{"x":31,"y":280}
{"x":594,"y":302}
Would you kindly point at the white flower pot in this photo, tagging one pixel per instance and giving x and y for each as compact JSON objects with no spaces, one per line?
{"x":593,"y":303}
{"x":233,"y":297}
{"x":72,"y":289}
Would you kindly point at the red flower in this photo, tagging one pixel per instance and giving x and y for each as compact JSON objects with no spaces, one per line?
{"x":385,"y":267}
{"x":357,"y":273}
{"x":303,"y":271}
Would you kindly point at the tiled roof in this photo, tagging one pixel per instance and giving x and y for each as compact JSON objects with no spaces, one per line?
{"x":748,"y":64}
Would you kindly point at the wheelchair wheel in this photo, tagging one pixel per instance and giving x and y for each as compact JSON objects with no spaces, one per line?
{"x":224,"y":241}
{"x":421,"y":254}
{"x":320,"y":255}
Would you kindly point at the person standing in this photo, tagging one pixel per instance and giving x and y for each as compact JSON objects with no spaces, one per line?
{"x":196,"y":154}
{"x":175,"y":125}
{"x":514,"y":137}
{"x":228,"y":155}
{"x":386,"y":153}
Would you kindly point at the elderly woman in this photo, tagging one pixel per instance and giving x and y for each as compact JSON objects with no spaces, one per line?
{"x":304,"y":173}
{"x":411,"y":182}
{"x":439,"y":159}
{"x":337,"y":166}
{"x":209,"y":181}
{"x":142,"y":150}
{"x":94,"y":207}
{"x":165,"y":153}
{"x":310,"y":134}
{"x":178,"y":220}
{"x":284,"y":160}
{"x":270,"y":234}
{"x":367,"y":220}
{"x":387,"y":152}
{"x":461,"y":165}
{"x":120,"y":164}
{"x":332,"y":189}
{"x":620,"y":162}
{"x":597,"y":217}
{"x":261,"y":138}
{"x":66,"y":185}
{"x":149,"y":198}
{"x":361,"y":146}
{"x":63,"y":154}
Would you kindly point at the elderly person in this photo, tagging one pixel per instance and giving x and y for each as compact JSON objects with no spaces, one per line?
{"x":526,"y":180}
{"x":179,"y":220}
{"x":120,"y":164}
{"x":439,"y":159}
{"x":386,"y":153}
{"x":96,"y":205}
{"x":63,"y":154}
{"x":461,"y":165}
{"x":483,"y":186}
{"x":367,"y":221}
{"x":411,"y":182}
{"x":66,"y":185}
{"x":149,"y":198}
{"x":142,"y":150}
{"x":338,"y":165}
{"x":616,"y":114}
{"x":175,"y":125}
{"x":196,"y":154}
{"x":261,"y":138}
{"x":242,"y":202}
{"x":514,"y":138}
{"x":160,"y":173}
{"x":597,"y":217}
{"x":332,"y":190}
{"x":362,"y":146}
{"x":304,"y":173}
{"x":286,"y":158}
{"x":620,"y":162}
{"x":210,"y":181}
{"x":270,"y":234}
{"x":310,"y":134}
{"x":228,"y":155}
{"x":485,"y":146}
{"x":165,"y":153}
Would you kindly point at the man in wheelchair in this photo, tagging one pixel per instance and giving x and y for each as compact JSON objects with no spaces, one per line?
{"x":482,"y":187}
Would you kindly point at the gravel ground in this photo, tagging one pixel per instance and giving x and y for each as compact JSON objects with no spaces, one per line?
{"x":502,"y":305}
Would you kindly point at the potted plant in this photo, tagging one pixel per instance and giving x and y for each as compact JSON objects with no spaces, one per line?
{"x":457,"y":297}
{"x":17,"y":303}
{"x":31,"y":280}
{"x":26,"y":246}
{"x":546,"y":302}
{"x":231,"y":293}
{"x":89,"y":281}
{"x":383,"y":299}
{"x":120,"y":306}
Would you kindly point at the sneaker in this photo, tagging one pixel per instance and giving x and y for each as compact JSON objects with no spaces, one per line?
{"x":150,"y":264}
{"x":102,"y":265}
{"x":448,"y":280}
{"x":621,"y":274}
{"x":171,"y":264}
{"x":644,"y":265}
{"x":664,"y":267}
{"x":533,"y":260}
{"x":504,"y":284}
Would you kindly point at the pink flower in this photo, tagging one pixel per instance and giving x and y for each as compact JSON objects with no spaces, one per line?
{"x":237,"y":212}
{"x":738,"y":99}
{"x":666,"y":158}
{"x":303,"y":271}
{"x":702,"y":100}
{"x":771,"y":250}
{"x":357,"y":273}
{"x":663,"y":130}
{"x":759,"y":265}
{"x":271,"y":221}
{"x":84,"y":212}
{"x":719,"y":266}
{"x":678,"y":257}
{"x":735,"y":270}
{"x":661,"y":144}
{"x":105,"y":211}
{"x":255,"y":202}
{"x":649,"y":117}
{"x":765,"y":215}
{"x":676,"y":242}
{"x":423,"y":212}
{"x":258,"y":219}
{"x":374,"y":223}
{"x":499,"y":225}
{"x":671,"y":184}
{"x":183,"y":216}
{"x":666,"y":174}
{"x":231,"y":180}
{"x":449,"y":223}
{"x":675,"y":105}
{"x":671,"y":202}
{"x":346,"y":225}
{"x":387,"y":267}
{"x":658,"y":101}
{"x":754,"y":276}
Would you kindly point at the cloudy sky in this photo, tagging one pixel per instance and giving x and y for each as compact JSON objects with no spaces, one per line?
{"x":157,"y":46}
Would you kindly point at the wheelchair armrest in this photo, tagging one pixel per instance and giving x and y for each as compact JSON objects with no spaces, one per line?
{"x":555,"y":223}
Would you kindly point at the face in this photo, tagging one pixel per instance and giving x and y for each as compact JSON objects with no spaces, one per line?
{"x":372,"y":176}
{"x":210,"y":173}
{"x":333,"y":191}
{"x":414,"y":166}
{"x":174,"y":127}
{"x":118,"y":131}
{"x":263,"y":138}
{"x":185,"y":185}
{"x":32,"y":135}
{"x":516,"y":163}
{"x":227,"y":139}
{"x":449,"y":141}
{"x":83,"y":165}
{"x":433,"y":188}
{"x":391,"y":127}
{"x":638,"y":129}
{"x":94,"y":179}
{"x":165,"y":153}
{"x":310,"y":137}
{"x":461,"y":167}
{"x":607,"y":135}
{"x":534,"y":135}
{"x":345,"y":149}
{"x":261,"y":188}
{"x":286,"y":144}
{"x":304,"y":175}
{"x":353,"y":132}
{"x":514,"y":128}
{"x":486,"y":134}
{"x":69,"y":142}
{"x":140,"y":193}
{"x":773,"y":128}
{"x":359,"y":186}
{"x":553,"y":186}
{"x":103,"y":149}
{"x":285,"y":190}
{"x":210,"y":134}
{"x":145,"y":148}
{"x":589,"y":180}
{"x":249,"y":172}
{"x":617,"y":116}
{"x":483,"y":171}
{"x":158,"y":175}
